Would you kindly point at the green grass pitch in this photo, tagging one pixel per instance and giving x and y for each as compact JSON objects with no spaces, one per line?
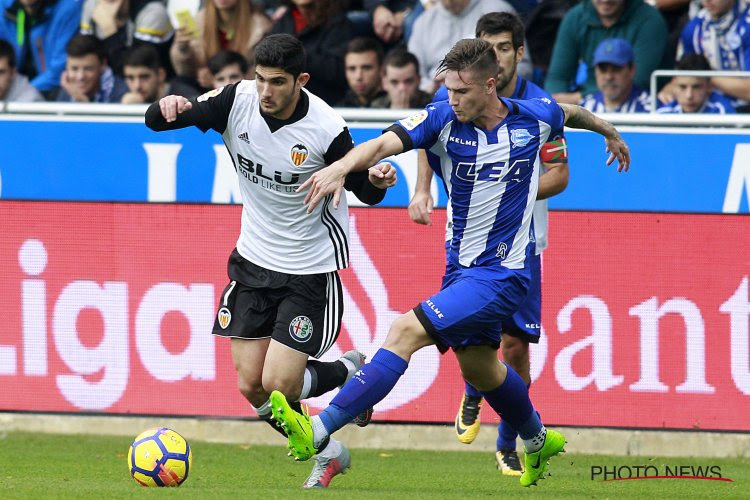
{"x":64,"y":466}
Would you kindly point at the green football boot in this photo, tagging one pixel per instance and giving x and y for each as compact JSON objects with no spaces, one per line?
{"x":296,"y":425}
{"x":537,"y":462}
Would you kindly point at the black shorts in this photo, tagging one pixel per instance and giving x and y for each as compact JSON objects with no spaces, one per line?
{"x":302,"y":311}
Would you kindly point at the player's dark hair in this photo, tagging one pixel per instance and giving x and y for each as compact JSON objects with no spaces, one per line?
{"x":495,"y":23}
{"x":693,"y":62}
{"x":7,"y":52}
{"x":365,"y":44}
{"x":143,"y":55}
{"x":399,"y":58}
{"x":225,"y":58}
{"x":83,"y":45}
{"x":281,"y":51}
{"x":471,"y":54}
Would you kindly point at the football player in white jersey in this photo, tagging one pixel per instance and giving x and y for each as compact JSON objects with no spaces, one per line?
{"x":505,"y":31}
{"x":283,"y":303}
{"x":494,"y":145}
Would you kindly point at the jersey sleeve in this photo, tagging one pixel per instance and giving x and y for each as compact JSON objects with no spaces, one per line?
{"x":339,"y":146}
{"x":421,"y":130}
{"x":209,"y":111}
{"x":542,"y":109}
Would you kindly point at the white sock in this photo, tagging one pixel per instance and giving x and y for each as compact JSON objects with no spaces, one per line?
{"x":306,"y":385}
{"x":536,"y":442}
{"x":264,"y":409}
{"x":319,"y":431}
{"x":333,"y":449}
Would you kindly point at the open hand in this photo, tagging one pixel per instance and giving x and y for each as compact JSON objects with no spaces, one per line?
{"x":617,"y":149}
{"x":322,"y":183}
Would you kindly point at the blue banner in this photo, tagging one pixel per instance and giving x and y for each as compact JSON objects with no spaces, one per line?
{"x":673,"y":170}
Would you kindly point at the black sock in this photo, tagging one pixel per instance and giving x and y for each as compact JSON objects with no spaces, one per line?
{"x":324,"y":377}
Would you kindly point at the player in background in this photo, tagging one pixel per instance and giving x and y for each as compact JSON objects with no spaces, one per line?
{"x":284,"y":302}
{"x":505,"y":32}
{"x":493,"y":144}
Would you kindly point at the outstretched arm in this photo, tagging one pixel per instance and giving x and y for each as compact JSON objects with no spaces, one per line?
{"x":420,"y":206}
{"x":578,"y":117}
{"x":331,"y":179}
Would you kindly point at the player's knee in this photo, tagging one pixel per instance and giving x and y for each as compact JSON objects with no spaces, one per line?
{"x":515,"y":351}
{"x":252,"y":389}
{"x":290,"y":386}
{"x":406,"y":336}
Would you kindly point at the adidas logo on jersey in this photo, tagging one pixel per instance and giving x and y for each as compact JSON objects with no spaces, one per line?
{"x":243,"y":137}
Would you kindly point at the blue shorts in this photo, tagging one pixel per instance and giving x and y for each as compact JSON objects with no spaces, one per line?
{"x":526,"y":323}
{"x":472,"y":305}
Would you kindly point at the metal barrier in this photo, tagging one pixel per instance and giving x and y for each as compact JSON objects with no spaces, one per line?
{"x":100,"y":112}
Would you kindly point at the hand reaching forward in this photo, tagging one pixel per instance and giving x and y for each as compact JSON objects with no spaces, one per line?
{"x":617,"y":149}
{"x":173,"y":105}
{"x":329,"y":180}
{"x":382,"y":175}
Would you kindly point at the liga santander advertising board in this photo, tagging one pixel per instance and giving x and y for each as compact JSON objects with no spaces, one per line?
{"x":109,"y":308}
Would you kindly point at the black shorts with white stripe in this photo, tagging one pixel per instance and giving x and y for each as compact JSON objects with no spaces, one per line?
{"x":302,"y":311}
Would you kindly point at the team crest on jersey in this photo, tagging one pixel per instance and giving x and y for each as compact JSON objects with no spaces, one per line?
{"x":301,"y":328}
{"x":210,"y":94}
{"x":299,"y":154}
{"x":224,"y":317}
{"x":411,"y":122}
{"x":520,"y":137}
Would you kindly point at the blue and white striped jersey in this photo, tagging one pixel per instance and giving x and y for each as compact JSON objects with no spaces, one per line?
{"x":637,"y":102}
{"x":524,"y":90}
{"x":725,"y":41}
{"x":716,"y":103}
{"x":491,"y":175}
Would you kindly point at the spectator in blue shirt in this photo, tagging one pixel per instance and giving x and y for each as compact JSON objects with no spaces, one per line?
{"x":721,"y":33}
{"x":615,"y":70}
{"x":694,"y":94}
{"x":87,"y":78}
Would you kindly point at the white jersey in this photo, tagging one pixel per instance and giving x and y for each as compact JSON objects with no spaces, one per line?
{"x":273,"y":158}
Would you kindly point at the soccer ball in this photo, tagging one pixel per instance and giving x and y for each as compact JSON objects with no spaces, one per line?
{"x":160,"y":457}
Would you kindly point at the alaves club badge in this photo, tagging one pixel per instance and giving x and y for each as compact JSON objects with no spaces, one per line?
{"x":299,"y":154}
{"x":224,"y":317}
{"x":301,"y":328}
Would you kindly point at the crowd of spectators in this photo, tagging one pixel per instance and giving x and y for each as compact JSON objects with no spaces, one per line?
{"x":375,"y":53}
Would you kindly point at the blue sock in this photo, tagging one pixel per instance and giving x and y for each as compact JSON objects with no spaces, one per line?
{"x":367,"y":387}
{"x":511,"y":401}
{"x":471,"y":391}
{"x":506,"y":436}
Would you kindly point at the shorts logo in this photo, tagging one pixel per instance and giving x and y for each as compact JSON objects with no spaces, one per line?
{"x":299,"y":154}
{"x":411,"y":122}
{"x":501,"y":249}
{"x":301,"y":328}
{"x":224,"y":317}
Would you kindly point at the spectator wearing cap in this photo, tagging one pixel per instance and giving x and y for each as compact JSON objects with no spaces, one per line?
{"x":694,"y":94}
{"x":614,"y":70}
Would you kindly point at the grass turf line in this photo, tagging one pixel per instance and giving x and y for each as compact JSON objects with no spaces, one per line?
{"x":65,"y":466}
